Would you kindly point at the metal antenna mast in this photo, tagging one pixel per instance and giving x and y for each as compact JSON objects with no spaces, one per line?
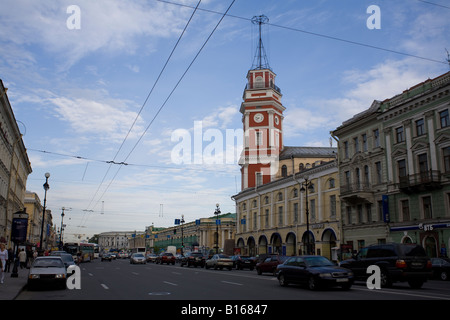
{"x":260,"y":51}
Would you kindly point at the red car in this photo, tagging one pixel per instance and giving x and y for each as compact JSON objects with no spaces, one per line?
{"x":166,"y":257}
{"x":270,"y":264}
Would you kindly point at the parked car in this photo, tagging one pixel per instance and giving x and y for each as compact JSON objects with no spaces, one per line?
{"x":123,"y":255}
{"x":193,"y":259}
{"x":138,"y":258}
{"x":166,"y":257}
{"x":151,"y":257}
{"x":397,"y":262}
{"x":440,"y":268}
{"x":219,"y":261}
{"x":314,"y":271}
{"x":241,"y":262}
{"x":66,"y":258}
{"x":47,"y":270}
{"x":107,"y":257}
{"x":269,"y":264}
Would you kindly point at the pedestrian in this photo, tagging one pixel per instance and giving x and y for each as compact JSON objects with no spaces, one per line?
{"x":3,"y":259}
{"x":22,"y":258}
{"x":10,"y":260}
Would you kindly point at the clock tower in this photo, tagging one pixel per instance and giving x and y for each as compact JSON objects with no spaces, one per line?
{"x":262,"y":122}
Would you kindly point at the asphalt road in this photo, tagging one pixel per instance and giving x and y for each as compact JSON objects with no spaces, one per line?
{"x":119,"y":280}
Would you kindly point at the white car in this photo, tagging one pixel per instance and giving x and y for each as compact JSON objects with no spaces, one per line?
{"x":138,"y":258}
{"x":219,"y":261}
{"x":47,"y":271}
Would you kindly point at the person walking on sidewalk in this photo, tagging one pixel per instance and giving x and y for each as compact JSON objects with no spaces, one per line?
{"x":3,"y":259}
{"x":22,"y":258}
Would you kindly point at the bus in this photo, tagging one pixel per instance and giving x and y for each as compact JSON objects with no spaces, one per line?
{"x":80,"y":250}
{"x":96,"y":250}
{"x":139,"y":250}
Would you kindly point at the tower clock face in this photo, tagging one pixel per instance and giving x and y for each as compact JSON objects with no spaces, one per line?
{"x":259,"y":117}
{"x":277,"y":120}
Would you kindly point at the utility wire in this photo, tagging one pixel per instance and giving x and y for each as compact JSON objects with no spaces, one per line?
{"x":170,"y":94}
{"x":145,"y":102}
{"x":320,"y":34}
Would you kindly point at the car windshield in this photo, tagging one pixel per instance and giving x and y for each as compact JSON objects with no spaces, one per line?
{"x":139,"y":255}
{"x":222,"y":256}
{"x":48,"y":263}
{"x":317,"y":261}
{"x":66,"y":257}
{"x":414,"y":251}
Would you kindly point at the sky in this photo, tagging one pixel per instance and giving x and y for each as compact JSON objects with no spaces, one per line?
{"x":133,"y":106}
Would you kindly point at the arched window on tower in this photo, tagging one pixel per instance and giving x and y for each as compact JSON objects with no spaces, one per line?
{"x":284,"y":171}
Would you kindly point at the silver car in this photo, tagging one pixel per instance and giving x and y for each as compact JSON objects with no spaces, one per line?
{"x":138,"y":258}
{"x":47,"y":271}
{"x":219,"y":261}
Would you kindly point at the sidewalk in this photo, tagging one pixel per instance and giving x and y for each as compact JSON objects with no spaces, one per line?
{"x":11,"y":287}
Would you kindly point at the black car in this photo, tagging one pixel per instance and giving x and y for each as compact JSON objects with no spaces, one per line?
{"x":315,"y":272}
{"x":397,"y":263}
{"x":193,"y":259}
{"x":241,"y":262}
{"x":441,"y":268}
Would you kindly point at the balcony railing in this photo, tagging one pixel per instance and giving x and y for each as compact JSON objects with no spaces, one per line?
{"x":356,"y":188}
{"x":427,"y":180}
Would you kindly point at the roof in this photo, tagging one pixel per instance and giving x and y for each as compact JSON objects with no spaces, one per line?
{"x":307,"y":152}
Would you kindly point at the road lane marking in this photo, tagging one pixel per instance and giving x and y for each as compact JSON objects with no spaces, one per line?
{"x":235,"y":283}
{"x":104,"y":286}
{"x":135,"y":273}
{"x":386,"y":291}
{"x":172,"y":284}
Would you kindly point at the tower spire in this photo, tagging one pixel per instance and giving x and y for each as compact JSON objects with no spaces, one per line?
{"x":260,"y":60}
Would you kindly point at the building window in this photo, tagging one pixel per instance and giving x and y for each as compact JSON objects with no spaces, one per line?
{"x":420,"y":127}
{"x":446,"y":152}
{"x":378,"y":171}
{"x":284,"y":171}
{"x":369,"y":212}
{"x":332,"y":183}
{"x":312,"y":209}
{"x":400,"y":134}
{"x":259,"y":141}
{"x":255,"y":221}
{"x":405,"y":210}
{"x":376,"y":138}
{"x":266,"y":200}
{"x":356,"y":142}
{"x":364,"y":142}
{"x":280,"y":216}
{"x":332,"y":206}
{"x":280,"y":196}
{"x":295,"y":212}
{"x":266,"y":218}
{"x":401,"y":168}
{"x":366,"y":176}
{"x":301,"y":167}
{"x":445,"y":121}
{"x":426,"y":206}
{"x":295,"y":193}
{"x":255,"y":203}
{"x":259,"y":180}
{"x":423,"y":166}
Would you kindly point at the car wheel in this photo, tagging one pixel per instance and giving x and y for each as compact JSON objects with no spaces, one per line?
{"x":416,"y":284}
{"x":385,"y":280}
{"x":346,"y":286}
{"x":312,"y":283}
{"x":282,"y":281}
{"x":443,"y":276}
{"x":258,"y":271}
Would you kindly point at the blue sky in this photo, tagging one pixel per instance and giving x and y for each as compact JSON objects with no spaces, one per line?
{"x":77,"y":91}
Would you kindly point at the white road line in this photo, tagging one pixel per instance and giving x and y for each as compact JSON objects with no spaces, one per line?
{"x":235,"y":283}
{"x":135,"y":273}
{"x":387,"y":291}
{"x":104,"y":286}
{"x":172,"y":284}
{"x":90,"y":274}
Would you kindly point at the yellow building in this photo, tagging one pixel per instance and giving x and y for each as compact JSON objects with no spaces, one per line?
{"x":277,"y":217}
{"x":14,"y":167}
{"x":200,"y":234}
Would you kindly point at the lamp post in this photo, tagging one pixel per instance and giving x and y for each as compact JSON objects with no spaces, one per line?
{"x":182,"y":236}
{"x":46,"y":187}
{"x":62,"y":228}
{"x":307,"y":185}
{"x":217,"y":212}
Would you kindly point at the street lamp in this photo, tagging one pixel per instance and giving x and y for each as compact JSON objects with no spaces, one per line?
{"x":307,"y":185}
{"x":62,"y":228}
{"x":182,"y":236}
{"x":217,"y":212}
{"x":46,"y":187}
